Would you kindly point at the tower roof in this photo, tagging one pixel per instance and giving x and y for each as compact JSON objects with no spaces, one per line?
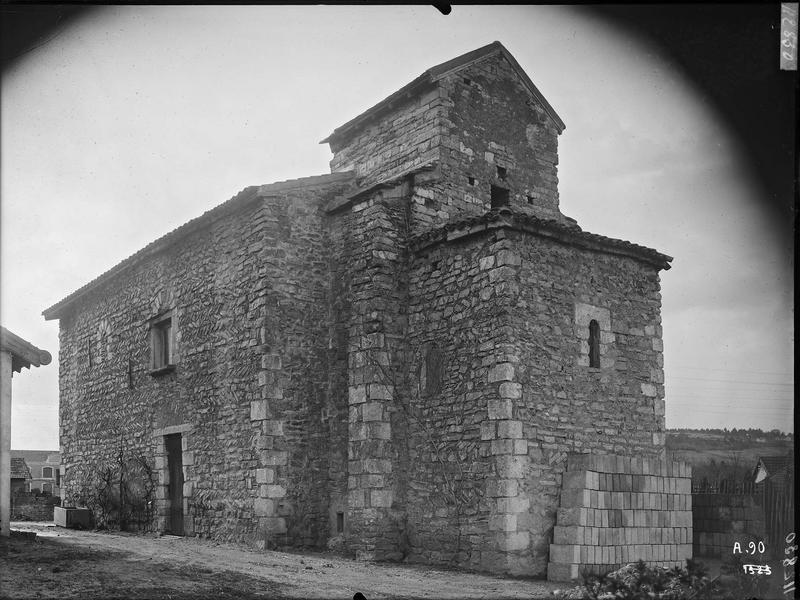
{"x":433,"y":75}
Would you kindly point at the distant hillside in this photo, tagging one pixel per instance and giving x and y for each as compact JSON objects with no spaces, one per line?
{"x":722,"y":453}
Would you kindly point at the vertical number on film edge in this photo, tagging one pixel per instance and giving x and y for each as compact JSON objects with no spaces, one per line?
{"x":788,"y":41}
{"x":789,"y":565}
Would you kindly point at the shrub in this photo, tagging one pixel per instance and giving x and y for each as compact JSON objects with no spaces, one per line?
{"x":639,"y":581}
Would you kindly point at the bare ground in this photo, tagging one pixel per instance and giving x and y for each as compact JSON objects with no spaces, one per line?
{"x":65,"y":563}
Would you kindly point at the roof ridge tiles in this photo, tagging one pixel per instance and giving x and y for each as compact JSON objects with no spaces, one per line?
{"x":505,"y":217}
{"x":242,"y":198}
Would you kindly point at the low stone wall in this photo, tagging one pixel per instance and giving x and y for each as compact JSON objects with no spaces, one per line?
{"x":721,"y":520}
{"x":26,"y":507}
{"x":616,"y":510}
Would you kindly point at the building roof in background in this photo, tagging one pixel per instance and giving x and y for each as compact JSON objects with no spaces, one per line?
{"x":38,"y":456}
{"x":23,"y":353}
{"x":19,"y":470}
{"x":770,"y":466}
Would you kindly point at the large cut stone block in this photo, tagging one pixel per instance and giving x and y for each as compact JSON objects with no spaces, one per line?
{"x":573,"y":534}
{"x":514,"y":541}
{"x":509,"y":429}
{"x":259,"y":410}
{"x":500,"y":409}
{"x":501,"y":372}
{"x":263,"y":507}
{"x":565,"y":553}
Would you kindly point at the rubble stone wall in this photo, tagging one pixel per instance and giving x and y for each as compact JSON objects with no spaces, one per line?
{"x":563,"y":404}
{"x":249,"y":300}
{"x":402,"y":139}
{"x":456,"y":324}
{"x":490,"y":122}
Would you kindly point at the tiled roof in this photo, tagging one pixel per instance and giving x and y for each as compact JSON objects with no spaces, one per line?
{"x":228,"y":207}
{"x":23,"y":353}
{"x":775,"y":464}
{"x":567,"y":233}
{"x":19,"y":470}
{"x":433,"y":75}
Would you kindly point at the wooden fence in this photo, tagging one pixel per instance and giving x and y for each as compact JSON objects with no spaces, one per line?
{"x":725,"y":486}
{"x":775,"y":495}
{"x":779,"y":509}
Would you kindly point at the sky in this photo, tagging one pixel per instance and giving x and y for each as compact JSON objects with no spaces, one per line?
{"x":135,"y":119}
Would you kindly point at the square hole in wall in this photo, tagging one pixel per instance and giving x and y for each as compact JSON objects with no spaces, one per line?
{"x":467,"y":80}
{"x":529,"y":199}
{"x":470,"y":180}
{"x":502,"y":173}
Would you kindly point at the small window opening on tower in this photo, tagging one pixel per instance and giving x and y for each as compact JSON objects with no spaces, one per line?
{"x":339,"y":522}
{"x":499,"y":196}
{"x":594,"y":344}
{"x":502,"y":173}
{"x":470,"y":180}
{"x":529,"y":199}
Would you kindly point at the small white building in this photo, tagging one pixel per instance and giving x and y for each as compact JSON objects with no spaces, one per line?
{"x":15,"y":353}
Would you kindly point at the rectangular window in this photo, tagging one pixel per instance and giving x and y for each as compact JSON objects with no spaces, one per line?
{"x":162,"y":344}
{"x":47,"y":472}
{"x":339,"y":522}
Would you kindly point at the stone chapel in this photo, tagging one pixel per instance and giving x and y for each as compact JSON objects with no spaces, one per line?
{"x":395,"y":358}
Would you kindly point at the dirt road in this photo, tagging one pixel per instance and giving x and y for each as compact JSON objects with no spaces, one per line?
{"x":65,"y":563}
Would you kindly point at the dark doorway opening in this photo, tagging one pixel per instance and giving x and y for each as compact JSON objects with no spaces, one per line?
{"x":173,"y":444}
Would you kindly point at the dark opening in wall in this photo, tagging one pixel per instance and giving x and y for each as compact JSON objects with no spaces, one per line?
{"x":467,"y":80}
{"x":431,"y":371}
{"x":339,"y":522}
{"x":529,"y":199}
{"x":499,"y":196}
{"x":594,"y":344}
{"x":470,"y":180}
{"x":502,"y":173}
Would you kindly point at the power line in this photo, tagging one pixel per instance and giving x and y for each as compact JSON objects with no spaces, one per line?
{"x":704,"y":397}
{"x":729,"y":381}
{"x":731,"y":371}
{"x":712,"y":393}
{"x":734,"y":413}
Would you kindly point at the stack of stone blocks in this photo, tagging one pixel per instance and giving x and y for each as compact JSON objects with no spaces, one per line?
{"x":617,"y":510}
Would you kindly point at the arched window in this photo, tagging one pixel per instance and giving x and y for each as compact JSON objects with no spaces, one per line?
{"x":594,"y":344}
{"x":431,"y":371}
